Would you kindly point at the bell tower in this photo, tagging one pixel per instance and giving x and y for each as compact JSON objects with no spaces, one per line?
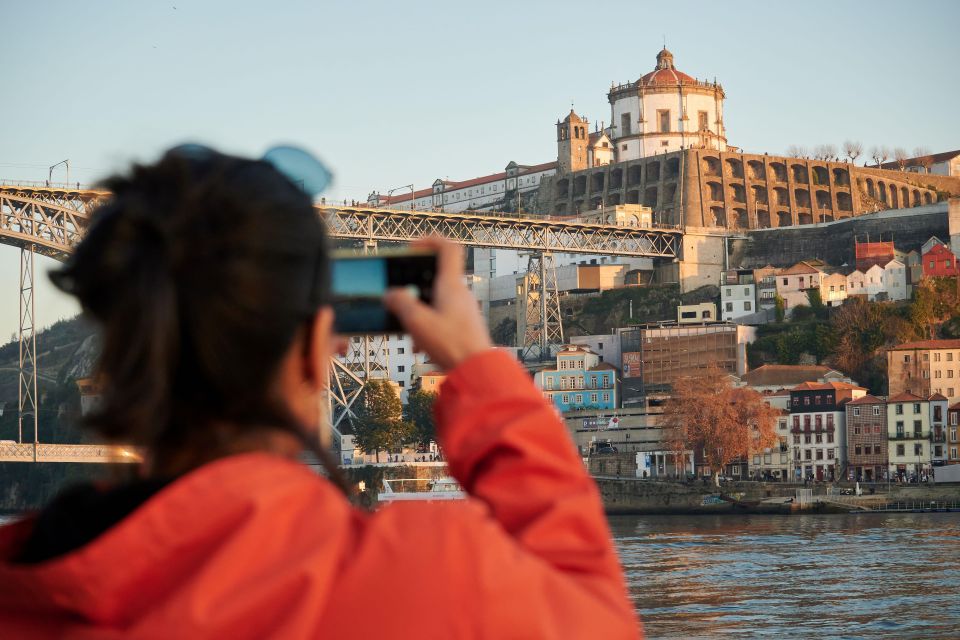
{"x":573,"y":137}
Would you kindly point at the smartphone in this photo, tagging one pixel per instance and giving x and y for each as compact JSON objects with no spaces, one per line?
{"x":359,"y":282}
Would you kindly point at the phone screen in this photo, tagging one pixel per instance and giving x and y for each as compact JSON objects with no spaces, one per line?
{"x":359,"y":283}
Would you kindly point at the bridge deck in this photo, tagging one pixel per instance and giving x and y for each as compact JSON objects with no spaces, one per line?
{"x":86,"y":453}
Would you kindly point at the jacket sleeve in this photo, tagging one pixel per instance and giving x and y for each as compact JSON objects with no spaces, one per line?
{"x":508,"y":448}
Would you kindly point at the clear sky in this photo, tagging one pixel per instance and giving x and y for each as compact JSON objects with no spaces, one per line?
{"x":393,"y":93}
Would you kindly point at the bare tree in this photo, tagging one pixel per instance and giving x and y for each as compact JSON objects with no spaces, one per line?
{"x":923,"y":158}
{"x":884,"y":154}
{"x":876,"y":155}
{"x":798,"y":151}
{"x":820,"y":152}
{"x":829,"y":152}
{"x":852,"y":149}
{"x":901,"y":156}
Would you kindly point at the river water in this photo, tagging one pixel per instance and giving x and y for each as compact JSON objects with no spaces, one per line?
{"x":811,"y":576}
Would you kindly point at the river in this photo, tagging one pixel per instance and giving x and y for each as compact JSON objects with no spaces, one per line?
{"x":811,"y":576}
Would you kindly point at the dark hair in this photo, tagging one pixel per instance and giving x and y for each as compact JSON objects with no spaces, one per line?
{"x":200,"y":270}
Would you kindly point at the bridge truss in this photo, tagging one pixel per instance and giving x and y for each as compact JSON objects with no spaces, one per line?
{"x":50,"y":219}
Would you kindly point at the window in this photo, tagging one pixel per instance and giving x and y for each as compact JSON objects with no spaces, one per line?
{"x":402,"y":384}
{"x":917,"y":429}
{"x":729,"y":306}
{"x":856,"y":412}
{"x":953,"y":417}
{"x":796,"y":439}
{"x":401,"y":351}
{"x":806,"y":439}
{"x":806,"y":423}
{"x":876,"y":411}
{"x":899,"y":428}
{"x":949,"y":356}
{"x":916,"y":407}
{"x":663,"y":118}
{"x":549,"y":383}
{"x":702,"y":121}
{"x":818,"y":421}
{"x":625,"y":124}
{"x":819,"y":438}
{"x":565,"y":398}
{"x":593,"y":397}
{"x":808,"y":455}
{"x":796,"y":422}
{"x":746,"y":291}
{"x":806,"y":401}
{"x":606,"y":397}
{"x":819,"y":454}
{"x":856,"y":450}
{"x":876,"y":429}
{"x":856,"y":430}
{"x":906,"y":358}
{"x":900,"y":450}
{"x":578,"y":398}
{"x":936,"y":357}
{"x":918,"y":449}
{"x":830,"y":437}
{"x":829,"y":454}
{"x":401,"y":369}
{"x":729,"y":292}
{"x":747,"y":306}
{"x":899,"y":410}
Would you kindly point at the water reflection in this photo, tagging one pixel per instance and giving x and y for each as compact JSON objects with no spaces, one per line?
{"x":856,"y":576}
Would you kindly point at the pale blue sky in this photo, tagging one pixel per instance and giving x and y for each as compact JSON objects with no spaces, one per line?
{"x":391,"y":93}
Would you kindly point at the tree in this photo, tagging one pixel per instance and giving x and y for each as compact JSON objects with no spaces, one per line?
{"x":852,"y":149}
{"x":798,"y":151}
{"x":879,"y":155}
{"x":419,"y":412}
{"x":378,"y":423}
{"x":779,"y":308}
{"x":815,"y":299}
{"x":707,"y":414}
{"x":825,"y":152}
{"x":901,"y":156}
{"x":923,"y":158}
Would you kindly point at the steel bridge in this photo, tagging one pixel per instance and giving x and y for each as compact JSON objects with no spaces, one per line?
{"x":50,"y":219}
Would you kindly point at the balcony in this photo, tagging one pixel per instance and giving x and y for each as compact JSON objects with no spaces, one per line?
{"x":938,"y":437}
{"x":909,"y":436}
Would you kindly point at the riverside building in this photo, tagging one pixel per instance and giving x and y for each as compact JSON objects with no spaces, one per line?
{"x":867,"y":439}
{"x":818,"y":428}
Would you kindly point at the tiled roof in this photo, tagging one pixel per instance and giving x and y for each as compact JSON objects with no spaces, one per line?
{"x":820,"y":386}
{"x":665,"y":77}
{"x":868,"y":399}
{"x":906,"y":396}
{"x":603,"y":366}
{"x":937,"y":397}
{"x":783,"y":374}
{"x":799,"y":268}
{"x":927,"y":344}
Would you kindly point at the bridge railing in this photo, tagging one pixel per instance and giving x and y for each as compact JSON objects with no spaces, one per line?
{"x":92,"y":453}
{"x":45,"y":184}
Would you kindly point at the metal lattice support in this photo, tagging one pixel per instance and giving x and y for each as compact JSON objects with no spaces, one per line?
{"x":27,"y":404}
{"x":541,"y":322}
{"x":367,"y":358}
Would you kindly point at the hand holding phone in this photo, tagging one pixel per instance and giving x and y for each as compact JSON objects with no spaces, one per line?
{"x":451,"y":329}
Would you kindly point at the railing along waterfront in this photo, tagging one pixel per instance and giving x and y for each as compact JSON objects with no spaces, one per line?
{"x":84,"y":453}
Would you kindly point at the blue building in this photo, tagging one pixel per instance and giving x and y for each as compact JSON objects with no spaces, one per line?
{"x":580,"y":380}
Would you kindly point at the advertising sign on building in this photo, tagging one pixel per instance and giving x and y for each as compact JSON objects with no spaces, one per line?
{"x":631,"y":364}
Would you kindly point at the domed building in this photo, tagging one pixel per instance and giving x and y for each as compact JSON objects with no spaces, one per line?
{"x":665,"y":110}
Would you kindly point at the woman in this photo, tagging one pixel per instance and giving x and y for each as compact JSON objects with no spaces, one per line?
{"x":209,"y":277}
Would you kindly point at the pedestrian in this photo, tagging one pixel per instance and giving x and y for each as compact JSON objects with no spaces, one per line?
{"x":208,"y":277}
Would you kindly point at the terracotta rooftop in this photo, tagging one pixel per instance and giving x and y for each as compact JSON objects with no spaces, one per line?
{"x":820,"y":386}
{"x":784,"y":374}
{"x":868,"y":399}
{"x":928,"y":344}
{"x":937,"y":397}
{"x":799,"y":268}
{"x":906,"y":396}
{"x":603,"y":366}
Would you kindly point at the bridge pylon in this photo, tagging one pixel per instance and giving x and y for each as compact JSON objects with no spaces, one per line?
{"x":540,"y":324}
{"x":27,"y":402}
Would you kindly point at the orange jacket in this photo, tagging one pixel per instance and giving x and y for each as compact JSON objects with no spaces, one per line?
{"x":255,"y":546}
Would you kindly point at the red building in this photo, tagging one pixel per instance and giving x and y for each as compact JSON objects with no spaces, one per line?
{"x":939,"y":261}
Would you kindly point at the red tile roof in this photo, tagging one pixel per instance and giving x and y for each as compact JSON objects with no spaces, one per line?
{"x":820,"y":386}
{"x":937,"y":397}
{"x":665,"y":77}
{"x":784,"y":374}
{"x":906,"y":396}
{"x":800,"y":267}
{"x":868,"y":399}
{"x":603,"y":366}
{"x":927,"y":344}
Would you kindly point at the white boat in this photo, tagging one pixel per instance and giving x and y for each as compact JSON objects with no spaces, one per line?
{"x":406,"y":489}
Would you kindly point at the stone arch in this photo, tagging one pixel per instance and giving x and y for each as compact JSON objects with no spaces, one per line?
{"x":871,"y":191}
{"x":596,"y":182}
{"x":633,"y":220}
{"x":763,"y":219}
{"x":823,"y":199}
{"x":805,"y":218}
{"x":802,"y":197}
{"x":800,"y":173}
{"x":904,"y":197}
{"x":759,"y":194}
{"x":739,"y":219}
{"x":779,"y":171}
{"x":927,"y":197}
{"x":882,"y":192}
{"x":718,"y":217}
{"x":782,"y":196}
{"x":784,"y":219}
{"x":915,"y":200}
{"x":894,"y":197}
{"x":756,"y":170}
{"x":579,"y":206}
{"x":616,"y":179}
{"x":716,"y":191}
{"x":735,"y":168}
{"x":633,"y":197}
{"x":563,"y":188}
{"x":579,"y":185}
{"x":673,"y":168}
{"x":844,"y":201}
{"x":653,"y":171}
{"x":650,"y":197}
{"x":613,"y":199}
{"x":634,"y":174}
{"x":821,"y":176}
{"x":841,"y":177}
{"x":711,"y":166}
{"x":738,"y":193}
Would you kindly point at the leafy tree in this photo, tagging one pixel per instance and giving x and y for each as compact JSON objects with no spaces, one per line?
{"x":780,"y":309}
{"x":815,"y":299}
{"x":706,"y":413}
{"x":419,"y":412}
{"x":379,"y":424}
{"x":801,"y":313}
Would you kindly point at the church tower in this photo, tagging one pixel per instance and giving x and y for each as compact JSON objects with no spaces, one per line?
{"x":573,"y":137}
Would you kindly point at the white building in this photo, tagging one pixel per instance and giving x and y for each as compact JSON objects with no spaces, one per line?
{"x":478,"y":194}
{"x":665,"y":110}
{"x":606,"y":346}
{"x":738,"y":295}
{"x":793,"y":282}
{"x":895,"y":280}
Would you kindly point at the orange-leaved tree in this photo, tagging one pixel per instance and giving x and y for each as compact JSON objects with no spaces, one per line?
{"x":707,"y":414}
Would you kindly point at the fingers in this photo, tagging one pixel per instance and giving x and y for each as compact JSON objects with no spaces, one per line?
{"x":414,"y":316}
{"x":450,"y":258}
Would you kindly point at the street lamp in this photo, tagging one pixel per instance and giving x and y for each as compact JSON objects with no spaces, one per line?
{"x":412,"y":194}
